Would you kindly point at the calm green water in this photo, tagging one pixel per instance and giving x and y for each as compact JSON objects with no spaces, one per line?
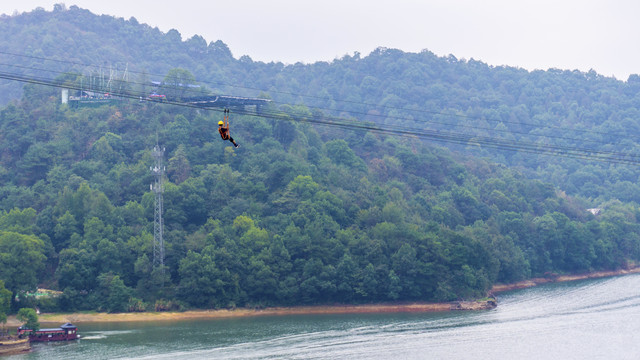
{"x":595,"y":319}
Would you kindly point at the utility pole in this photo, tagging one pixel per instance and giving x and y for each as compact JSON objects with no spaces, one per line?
{"x":158,"y":225}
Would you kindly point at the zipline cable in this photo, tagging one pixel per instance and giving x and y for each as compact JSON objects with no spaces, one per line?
{"x":388,"y":117}
{"x":453,"y":115}
{"x":518,"y":146}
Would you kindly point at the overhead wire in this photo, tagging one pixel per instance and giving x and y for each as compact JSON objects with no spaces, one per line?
{"x":617,"y":157}
{"x":363,"y":114}
{"x":377,"y":106}
{"x":447,"y":137}
{"x":613,"y":157}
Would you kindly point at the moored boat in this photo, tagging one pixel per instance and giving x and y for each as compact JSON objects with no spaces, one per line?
{"x":65,"y":332}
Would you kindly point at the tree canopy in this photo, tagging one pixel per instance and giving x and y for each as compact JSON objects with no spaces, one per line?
{"x":29,"y":318}
{"x":303,"y":213}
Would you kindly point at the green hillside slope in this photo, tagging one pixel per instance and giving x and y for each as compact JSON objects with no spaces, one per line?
{"x":299,"y":214}
{"x":418,"y":90}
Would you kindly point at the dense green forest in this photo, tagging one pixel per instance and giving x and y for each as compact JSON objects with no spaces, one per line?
{"x":558,"y":107}
{"x":299,"y":214}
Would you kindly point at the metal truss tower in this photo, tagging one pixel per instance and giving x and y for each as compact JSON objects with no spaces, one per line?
{"x":158,"y":224}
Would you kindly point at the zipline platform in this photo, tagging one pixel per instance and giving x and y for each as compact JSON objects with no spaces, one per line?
{"x":226,"y":101}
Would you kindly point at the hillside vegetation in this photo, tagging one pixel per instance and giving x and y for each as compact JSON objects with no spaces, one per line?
{"x":417,"y":90}
{"x":300,"y":214}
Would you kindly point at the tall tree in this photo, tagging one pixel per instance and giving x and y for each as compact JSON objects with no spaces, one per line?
{"x":21,"y":260}
{"x":5,"y":303}
{"x":29,"y":318}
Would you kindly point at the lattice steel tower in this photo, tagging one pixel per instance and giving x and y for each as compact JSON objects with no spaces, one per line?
{"x":158,"y":224}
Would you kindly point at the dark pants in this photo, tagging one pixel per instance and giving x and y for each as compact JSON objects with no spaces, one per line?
{"x":233,"y":142}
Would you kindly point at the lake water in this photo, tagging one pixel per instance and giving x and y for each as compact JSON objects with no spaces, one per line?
{"x":592,"y":319}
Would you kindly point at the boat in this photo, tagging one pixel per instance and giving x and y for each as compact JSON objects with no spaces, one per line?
{"x":65,"y":332}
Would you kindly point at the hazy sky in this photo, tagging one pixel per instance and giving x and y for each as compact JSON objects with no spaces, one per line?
{"x":603,"y":35}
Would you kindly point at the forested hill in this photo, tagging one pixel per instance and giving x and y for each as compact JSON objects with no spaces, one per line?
{"x":298,"y":214}
{"x":419,"y":90}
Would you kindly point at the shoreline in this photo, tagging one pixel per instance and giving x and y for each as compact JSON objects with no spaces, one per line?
{"x":414,"y":307}
{"x":498,"y":288}
{"x":78,"y":318}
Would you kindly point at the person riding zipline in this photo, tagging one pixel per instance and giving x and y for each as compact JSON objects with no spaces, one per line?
{"x":223,"y":128}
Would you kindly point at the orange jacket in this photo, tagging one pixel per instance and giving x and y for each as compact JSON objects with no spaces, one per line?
{"x":224,"y":132}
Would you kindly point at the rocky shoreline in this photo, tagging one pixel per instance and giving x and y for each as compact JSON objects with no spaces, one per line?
{"x":79,"y":318}
{"x":13,"y":346}
{"x":273,"y":311}
{"x":484,"y":304}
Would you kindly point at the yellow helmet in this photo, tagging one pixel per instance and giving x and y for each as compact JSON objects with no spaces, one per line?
{"x":220,"y":122}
